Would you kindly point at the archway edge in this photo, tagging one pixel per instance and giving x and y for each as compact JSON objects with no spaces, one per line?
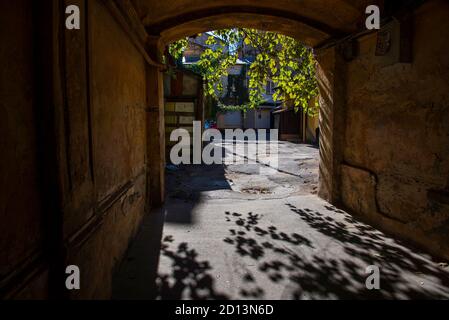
{"x":328,"y":16}
{"x":309,"y":35}
{"x":310,"y":21}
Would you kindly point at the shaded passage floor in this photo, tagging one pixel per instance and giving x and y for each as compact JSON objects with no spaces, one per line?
{"x":250,"y":231}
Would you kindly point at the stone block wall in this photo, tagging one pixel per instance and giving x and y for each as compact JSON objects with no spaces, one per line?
{"x":395,"y":162}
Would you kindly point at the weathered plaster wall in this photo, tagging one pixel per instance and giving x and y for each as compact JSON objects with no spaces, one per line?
{"x":118,"y":129}
{"x":118,"y":102}
{"x":331,"y":83}
{"x":396,"y":148}
{"x":20,"y":206}
{"x":310,"y":126}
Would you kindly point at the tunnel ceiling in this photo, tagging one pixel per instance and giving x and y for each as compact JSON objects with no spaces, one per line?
{"x":312,"y":21}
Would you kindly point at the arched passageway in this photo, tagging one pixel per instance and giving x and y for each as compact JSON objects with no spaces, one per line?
{"x":86,"y":109}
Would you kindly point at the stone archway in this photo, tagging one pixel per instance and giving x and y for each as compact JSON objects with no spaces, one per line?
{"x":310,"y":22}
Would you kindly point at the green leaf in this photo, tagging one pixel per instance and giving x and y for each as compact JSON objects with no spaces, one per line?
{"x":282,"y":59}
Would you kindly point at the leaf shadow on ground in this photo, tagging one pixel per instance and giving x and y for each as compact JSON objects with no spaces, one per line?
{"x":190,"y":276}
{"x":280,"y":258}
{"x":300,"y":274}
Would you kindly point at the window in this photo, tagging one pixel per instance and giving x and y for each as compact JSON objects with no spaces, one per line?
{"x":270,"y":87}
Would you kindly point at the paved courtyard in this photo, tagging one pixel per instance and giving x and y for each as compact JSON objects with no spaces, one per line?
{"x":254,"y":231}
